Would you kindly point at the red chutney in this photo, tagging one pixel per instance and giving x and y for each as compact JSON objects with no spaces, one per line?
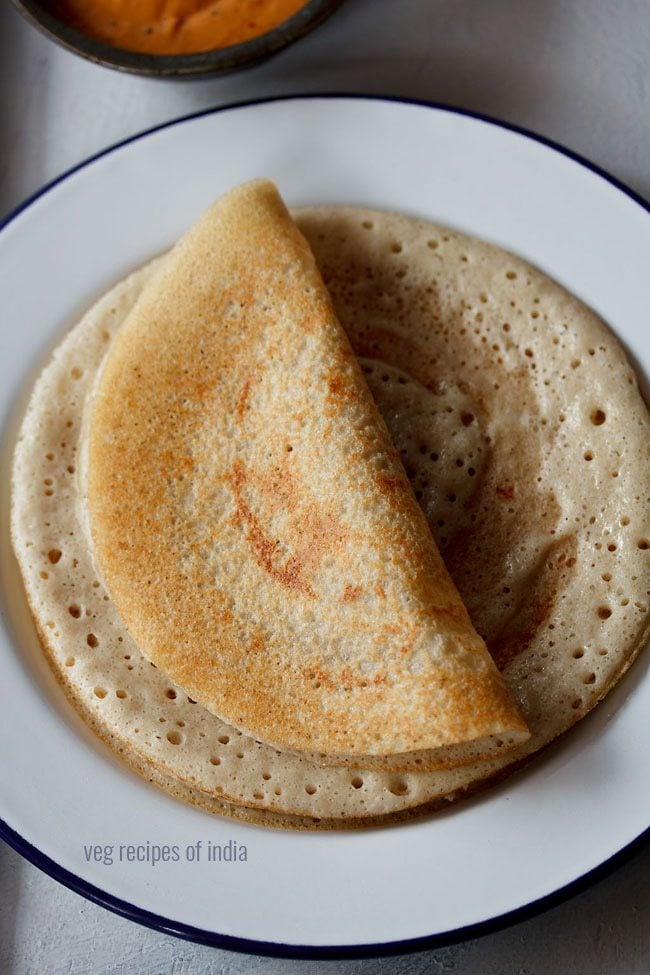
{"x":174,"y":26}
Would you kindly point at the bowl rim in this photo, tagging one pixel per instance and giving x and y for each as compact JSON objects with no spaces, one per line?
{"x":213,"y":61}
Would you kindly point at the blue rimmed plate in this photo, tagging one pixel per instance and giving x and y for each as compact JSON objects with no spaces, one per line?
{"x":332,"y":892}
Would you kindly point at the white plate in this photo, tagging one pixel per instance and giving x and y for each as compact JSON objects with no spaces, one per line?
{"x":581,"y":803}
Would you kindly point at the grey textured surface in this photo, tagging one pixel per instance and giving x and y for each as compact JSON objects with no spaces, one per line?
{"x":576,"y":72}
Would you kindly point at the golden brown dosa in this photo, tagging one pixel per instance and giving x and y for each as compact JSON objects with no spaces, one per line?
{"x":253,"y":523}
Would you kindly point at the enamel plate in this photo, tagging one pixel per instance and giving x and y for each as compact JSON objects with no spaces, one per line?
{"x":62,"y":792}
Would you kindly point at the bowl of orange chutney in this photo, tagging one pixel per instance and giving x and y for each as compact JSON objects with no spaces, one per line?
{"x":176,"y":38}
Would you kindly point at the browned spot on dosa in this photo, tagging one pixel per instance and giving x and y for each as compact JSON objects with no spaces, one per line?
{"x":346,"y":678}
{"x":341,"y":388}
{"x":506,"y":491}
{"x":351,"y":593}
{"x":309,"y":534}
{"x":338,"y":389}
{"x":395,"y":489}
{"x":242,"y":401}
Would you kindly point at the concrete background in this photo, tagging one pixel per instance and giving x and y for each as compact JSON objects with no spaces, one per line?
{"x":576,"y":72}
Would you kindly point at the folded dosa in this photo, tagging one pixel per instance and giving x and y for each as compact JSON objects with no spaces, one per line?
{"x":252,"y":521}
{"x":493,"y":481}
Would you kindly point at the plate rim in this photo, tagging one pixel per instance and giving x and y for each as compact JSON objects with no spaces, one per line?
{"x":188,"y":932}
{"x":332,"y":95}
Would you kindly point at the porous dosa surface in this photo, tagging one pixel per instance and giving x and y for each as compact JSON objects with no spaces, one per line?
{"x":252,"y":521}
{"x":396,"y":277}
{"x":521,"y":425}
